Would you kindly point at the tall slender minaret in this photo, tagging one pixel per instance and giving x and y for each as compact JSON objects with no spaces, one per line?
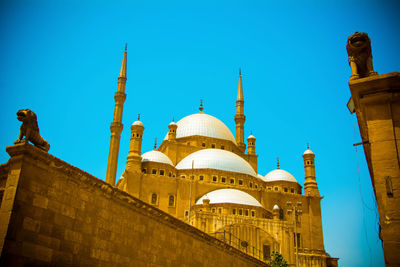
{"x":239,"y":117}
{"x":116,"y":126}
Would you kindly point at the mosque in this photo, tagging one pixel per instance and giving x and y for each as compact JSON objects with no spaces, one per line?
{"x":203,"y":175}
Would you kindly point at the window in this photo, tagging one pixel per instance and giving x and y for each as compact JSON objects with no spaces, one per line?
{"x":220,"y":211}
{"x":266,"y":252}
{"x":154,"y":171}
{"x":201,"y":177}
{"x":203,"y":144}
{"x":240,"y":212}
{"x":223,"y":180}
{"x":215,"y":178}
{"x":251,"y":185}
{"x":186,"y":213}
{"x":240,"y":182}
{"x":297,"y":238}
{"x":234,"y":211}
{"x":276,"y":188}
{"x":213,"y":210}
{"x":169,"y":174}
{"x":269,"y":188}
{"x":161,"y":172}
{"x":212,"y":145}
{"x":137,"y":135}
{"x":256,"y":186}
{"x":246,"y":212}
{"x":144,"y":170}
{"x":232,"y":181}
{"x":188,"y":143}
{"x":183,"y":176}
{"x":285,"y":189}
{"x":171,"y":201}
{"x":291,"y":190}
{"x":222,"y":147}
{"x":253,"y":213}
{"x":154,"y":199}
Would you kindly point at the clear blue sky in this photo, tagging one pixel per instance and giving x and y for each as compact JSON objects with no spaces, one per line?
{"x":61,"y":59}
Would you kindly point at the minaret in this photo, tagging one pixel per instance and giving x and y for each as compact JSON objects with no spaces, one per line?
{"x":134,"y":159}
{"x":251,"y":142}
{"x":310,"y":183}
{"x":239,"y":117}
{"x":172,"y":130}
{"x":116,"y":126}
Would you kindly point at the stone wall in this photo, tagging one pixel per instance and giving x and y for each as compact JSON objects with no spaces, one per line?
{"x":377,"y":105}
{"x":55,"y":214}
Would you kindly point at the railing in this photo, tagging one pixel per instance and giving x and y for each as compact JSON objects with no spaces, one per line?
{"x":241,"y":244}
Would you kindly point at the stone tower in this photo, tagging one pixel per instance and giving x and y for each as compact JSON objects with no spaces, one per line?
{"x":116,"y":125}
{"x":134,"y":159}
{"x":239,"y":117}
{"x":310,"y":183}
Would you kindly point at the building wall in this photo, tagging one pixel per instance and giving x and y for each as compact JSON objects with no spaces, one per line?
{"x":55,"y":214}
{"x":377,"y":105}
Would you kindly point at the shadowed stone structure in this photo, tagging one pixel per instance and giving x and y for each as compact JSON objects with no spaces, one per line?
{"x":376,"y":101}
{"x":54,"y":214}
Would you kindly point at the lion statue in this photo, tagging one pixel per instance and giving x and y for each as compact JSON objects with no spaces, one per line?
{"x":30,"y":130}
{"x":360,"y":56}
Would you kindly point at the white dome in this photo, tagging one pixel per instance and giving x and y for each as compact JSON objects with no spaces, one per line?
{"x":156,"y":156}
{"x":138,"y":123}
{"x":276,"y":207}
{"x":172,"y":123}
{"x":308,"y":151}
{"x":279,"y":175}
{"x":204,"y":125}
{"x":229,"y":196}
{"x":260,"y":176}
{"x":251,"y":137}
{"x":216,"y":159}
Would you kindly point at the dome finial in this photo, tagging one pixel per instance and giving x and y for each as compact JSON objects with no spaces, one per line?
{"x":155,"y":143}
{"x":308,"y":147}
{"x":277,"y":163}
{"x":173,"y":119}
{"x":240,"y":71}
{"x":201,"y":105}
{"x":138,"y":117}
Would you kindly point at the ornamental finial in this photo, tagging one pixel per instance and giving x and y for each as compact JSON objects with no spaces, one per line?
{"x":308,"y":147}
{"x":277,"y":163}
{"x":138,"y":117}
{"x":155,"y":143}
{"x":201,"y":105}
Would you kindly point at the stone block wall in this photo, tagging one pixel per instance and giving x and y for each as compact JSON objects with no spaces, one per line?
{"x":54,"y":214}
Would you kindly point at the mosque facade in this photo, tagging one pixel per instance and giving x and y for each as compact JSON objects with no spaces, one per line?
{"x":203,"y":175}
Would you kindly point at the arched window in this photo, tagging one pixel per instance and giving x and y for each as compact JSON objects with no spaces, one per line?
{"x":154,"y":199}
{"x":171,"y":201}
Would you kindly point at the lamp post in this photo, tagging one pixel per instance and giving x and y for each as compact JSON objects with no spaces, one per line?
{"x":296,"y":211}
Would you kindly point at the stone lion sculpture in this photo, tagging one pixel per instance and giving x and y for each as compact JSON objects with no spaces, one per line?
{"x":360,"y":56}
{"x":30,"y":130}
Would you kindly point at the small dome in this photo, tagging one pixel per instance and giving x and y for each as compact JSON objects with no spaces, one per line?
{"x":172,"y":124}
{"x":276,"y":207}
{"x":251,"y":137}
{"x":308,"y":151}
{"x":137,"y":123}
{"x":279,"y":175}
{"x":216,"y":159}
{"x":204,"y":125}
{"x":229,"y":196}
{"x":156,"y":156}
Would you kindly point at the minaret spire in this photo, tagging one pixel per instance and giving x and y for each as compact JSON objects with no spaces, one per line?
{"x":239,"y":117}
{"x":116,"y":125}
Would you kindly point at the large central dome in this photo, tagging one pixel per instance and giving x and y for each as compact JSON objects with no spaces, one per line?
{"x":204,"y":125}
{"x":216,"y":159}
